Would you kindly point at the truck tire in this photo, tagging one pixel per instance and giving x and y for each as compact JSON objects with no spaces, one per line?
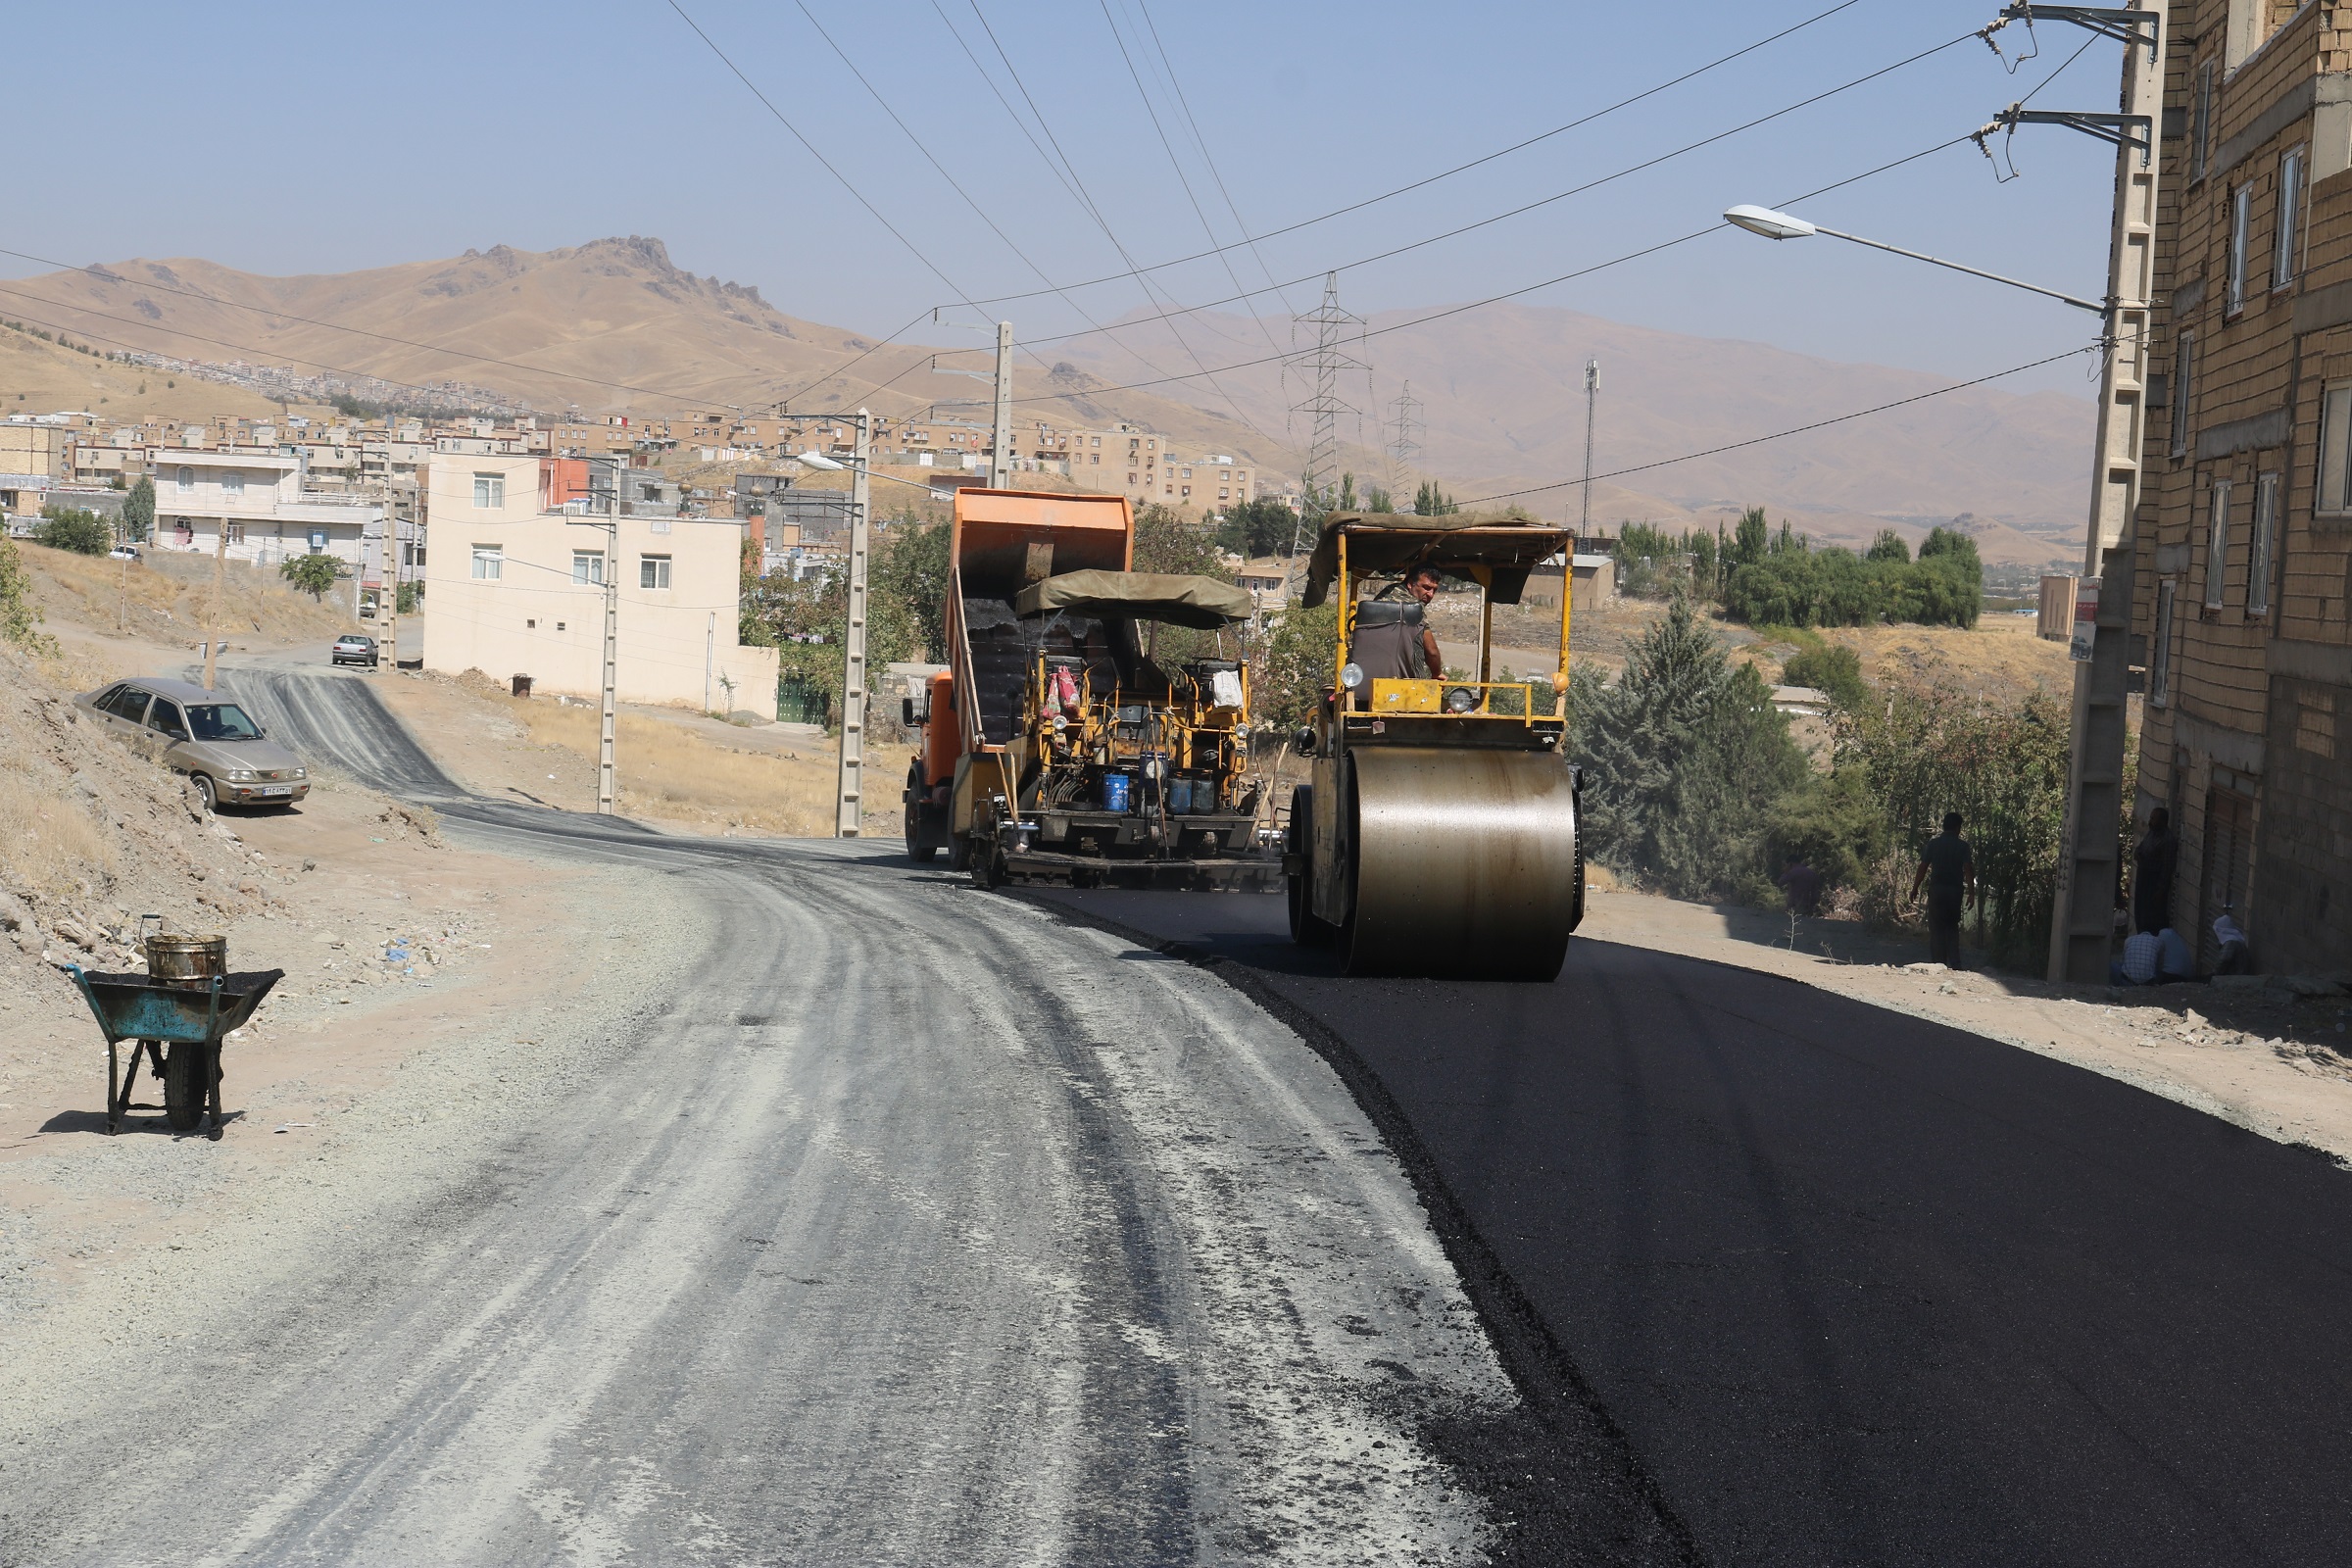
{"x":917,"y":850}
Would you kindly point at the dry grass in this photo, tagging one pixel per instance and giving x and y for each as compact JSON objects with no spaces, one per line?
{"x":1999,"y":657}
{"x":674,"y":776}
{"x":167,"y":596}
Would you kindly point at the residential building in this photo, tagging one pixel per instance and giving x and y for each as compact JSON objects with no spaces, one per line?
{"x":514,"y":585}
{"x":35,"y":447}
{"x":2242,"y":542}
{"x":258,"y":498}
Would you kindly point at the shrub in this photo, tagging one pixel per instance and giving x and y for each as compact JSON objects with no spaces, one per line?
{"x":1829,"y":668}
{"x":138,"y":512}
{"x":1299,"y":664}
{"x":20,"y":621}
{"x":85,"y":534}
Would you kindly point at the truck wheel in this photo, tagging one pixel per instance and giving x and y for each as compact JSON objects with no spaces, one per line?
{"x":184,"y":1086}
{"x":916,"y":850}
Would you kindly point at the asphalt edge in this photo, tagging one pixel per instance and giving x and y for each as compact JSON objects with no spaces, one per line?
{"x":1545,"y":1377}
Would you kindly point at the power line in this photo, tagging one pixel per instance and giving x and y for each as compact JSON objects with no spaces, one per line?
{"x":1546,"y":201}
{"x":1447,"y":173}
{"x":1583,"y":271}
{"x":1781,"y":435}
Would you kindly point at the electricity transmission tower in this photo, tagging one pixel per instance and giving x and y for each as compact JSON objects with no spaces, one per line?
{"x":1405,"y":446}
{"x":1321,"y":368}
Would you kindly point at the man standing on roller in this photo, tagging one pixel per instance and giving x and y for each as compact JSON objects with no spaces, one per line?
{"x":1383,"y":647}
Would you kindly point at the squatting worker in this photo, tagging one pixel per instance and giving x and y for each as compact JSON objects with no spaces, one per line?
{"x":1948,"y":868}
{"x":1394,"y":641}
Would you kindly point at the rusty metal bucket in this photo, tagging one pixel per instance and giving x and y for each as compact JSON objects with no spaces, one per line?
{"x":191,"y":962}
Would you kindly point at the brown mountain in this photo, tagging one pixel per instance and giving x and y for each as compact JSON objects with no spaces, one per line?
{"x":614,"y":325}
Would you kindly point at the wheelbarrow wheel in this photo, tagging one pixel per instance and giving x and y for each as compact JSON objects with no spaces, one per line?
{"x":184,"y":1085}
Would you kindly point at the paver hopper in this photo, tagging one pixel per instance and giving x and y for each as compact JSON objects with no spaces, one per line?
{"x":1440,"y":832}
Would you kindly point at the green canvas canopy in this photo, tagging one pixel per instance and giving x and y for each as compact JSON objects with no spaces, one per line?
{"x":1171,"y":597}
{"x":1459,"y":544}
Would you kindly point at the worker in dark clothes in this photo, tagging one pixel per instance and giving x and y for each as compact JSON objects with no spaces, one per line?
{"x":1948,"y":868}
{"x":1393,"y":641}
{"x":2152,"y":863}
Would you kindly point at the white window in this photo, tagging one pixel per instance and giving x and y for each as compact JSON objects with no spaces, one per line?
{"x":2160,"y":647}
{"x":588,"y":566}
{"x":490,"y":491}
{"x":2184,"y":380}
{"x":2217,"y":545}
{"x":488,"y":562}
{"x":2259,"y":544}
{"x":2242,"y":226}
{"x":653,"y":571}
{"x":185,"y":478}
{"x":232,"y":484}
{"x":2287,"y":232}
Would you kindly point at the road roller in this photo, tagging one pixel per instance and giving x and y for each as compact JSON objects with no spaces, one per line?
{"x":1438,"y":834}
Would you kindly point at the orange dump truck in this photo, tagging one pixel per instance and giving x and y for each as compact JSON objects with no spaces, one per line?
{"x":1057,"y":747}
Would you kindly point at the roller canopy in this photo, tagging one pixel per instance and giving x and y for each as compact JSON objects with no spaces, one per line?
{"x":1501,"y":550}
{"x":1171,"y":597}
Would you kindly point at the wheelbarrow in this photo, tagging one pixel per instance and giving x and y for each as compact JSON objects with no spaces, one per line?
{"x":190,"y":1016}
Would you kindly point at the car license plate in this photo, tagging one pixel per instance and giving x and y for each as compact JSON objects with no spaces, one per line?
{"x":276,"y":789}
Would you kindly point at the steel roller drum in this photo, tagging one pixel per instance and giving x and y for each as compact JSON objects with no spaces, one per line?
{"x":1465,"y":862}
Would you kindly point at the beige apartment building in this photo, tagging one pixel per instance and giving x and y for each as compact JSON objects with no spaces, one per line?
{"x":514,"y":585}
{"x":258,"y":498}
{"x":2242,"y":543}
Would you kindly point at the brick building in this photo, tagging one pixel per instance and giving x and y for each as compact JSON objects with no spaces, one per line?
{"x":2243,"y":539}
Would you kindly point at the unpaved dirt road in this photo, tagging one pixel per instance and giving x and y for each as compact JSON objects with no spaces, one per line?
{"x":894,"y":1222}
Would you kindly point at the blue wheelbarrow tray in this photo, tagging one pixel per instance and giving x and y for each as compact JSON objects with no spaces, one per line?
{"x":192,"y":1018}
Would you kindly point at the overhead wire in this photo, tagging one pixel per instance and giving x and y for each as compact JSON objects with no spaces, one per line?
{"x":1503,"y":152}
{"x":1780,"y":435}
{"x":1557,"y":196}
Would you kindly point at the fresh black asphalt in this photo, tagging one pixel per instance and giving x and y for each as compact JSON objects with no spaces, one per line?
{"x":1850,"y":1287}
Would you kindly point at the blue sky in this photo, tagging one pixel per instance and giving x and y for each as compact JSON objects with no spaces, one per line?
{"x":282,"y":140}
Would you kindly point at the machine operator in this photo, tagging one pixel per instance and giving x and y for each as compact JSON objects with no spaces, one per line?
{"x":1386,"y":633}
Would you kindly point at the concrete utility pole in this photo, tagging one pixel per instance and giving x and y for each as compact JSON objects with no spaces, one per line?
{"x":211,"y":630}
{"x":606,"y":792}
{"x":2083,"y":923}
{"x":1592,"y":396}
{"x":853,"y":680}
{"x":1000,"y":463}
{"x":394,"y":543}
{"x":710,"y":655}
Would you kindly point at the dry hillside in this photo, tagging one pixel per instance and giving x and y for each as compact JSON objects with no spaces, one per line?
{"x":43,"y":377}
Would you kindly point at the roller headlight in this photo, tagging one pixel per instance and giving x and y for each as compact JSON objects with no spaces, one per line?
{"x":1460,"y":699}
{"x":1351,"y":676}
{"x":1061,"y":723}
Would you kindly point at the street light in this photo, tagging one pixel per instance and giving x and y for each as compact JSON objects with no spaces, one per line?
{"x":1787,"y":225}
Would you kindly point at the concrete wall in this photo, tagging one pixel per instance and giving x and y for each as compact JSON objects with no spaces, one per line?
{"x":536,"y":618}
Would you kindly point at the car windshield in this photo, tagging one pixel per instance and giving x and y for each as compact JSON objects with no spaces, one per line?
{"x":221,"y":721}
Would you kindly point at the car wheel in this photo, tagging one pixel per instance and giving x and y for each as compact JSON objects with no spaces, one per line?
{"x":206,"y":793}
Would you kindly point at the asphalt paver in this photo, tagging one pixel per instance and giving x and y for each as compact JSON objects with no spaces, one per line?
{"x":1854,"y":1286}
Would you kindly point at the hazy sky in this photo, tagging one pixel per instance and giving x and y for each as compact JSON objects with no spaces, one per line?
{"x":323,"y":139}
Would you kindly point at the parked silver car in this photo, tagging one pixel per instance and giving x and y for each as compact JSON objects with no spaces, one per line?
{"x":202,"y":734}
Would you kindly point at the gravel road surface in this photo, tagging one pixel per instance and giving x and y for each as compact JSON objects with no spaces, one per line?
{"x":895,"y":1223}
{"x":1857,"y":1288}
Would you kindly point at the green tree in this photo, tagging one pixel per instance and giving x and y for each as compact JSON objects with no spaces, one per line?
{"x":1431,"y":502}
{"x":1165,"y":542}
{"x":138,"y":512}
{"x":1889,"y":546}
{"x":911,"y":575}
{"x":1377,"y":498}
{"x":1347,"y":501}
{"x":313,"y":574}
{"x":85,"y":534}
{"x":1265,"y":526}
{"x":1299,"y":663}
{"x":1686,"y":758}
{"x":1749,"y":541}
{"x":411,"y":595}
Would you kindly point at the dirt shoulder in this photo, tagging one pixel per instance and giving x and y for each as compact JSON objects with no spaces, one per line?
{"x":2256,"y":1054}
